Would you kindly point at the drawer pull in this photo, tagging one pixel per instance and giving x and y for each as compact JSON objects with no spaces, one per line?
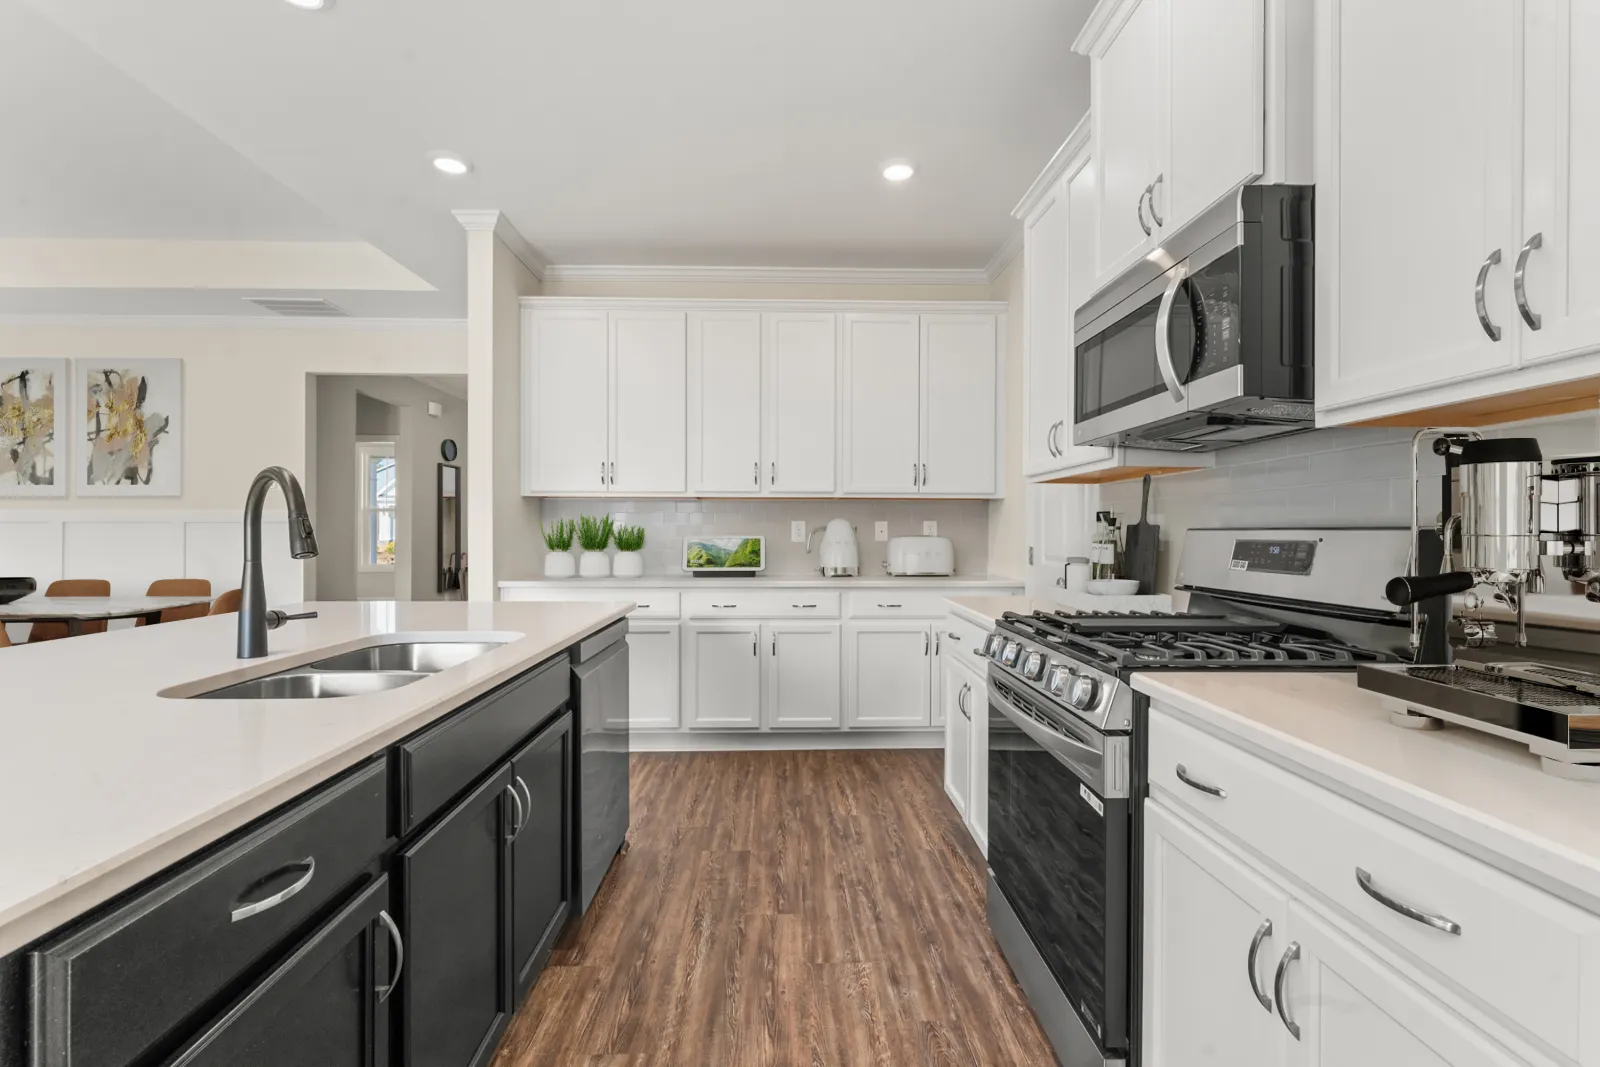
{"x":522,"y":815}
{"x":256,"y":907}
{"x":724,"y":605}
{"x":1210,"y":790}
{"x":802,"y":605}
{"x":891,"y":605}
{"x":399,"y":956}
{"x":1279,"y":980}
{"x":1263,"y":932}
{"x":1438,"y":922}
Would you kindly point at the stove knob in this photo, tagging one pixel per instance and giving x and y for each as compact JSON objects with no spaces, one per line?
{"x":1033,"y":666}
{"x":991,"y":646}
{"x":1056,"y":680}
{"x":1083,"y":692}
{"x":1008,"y":654}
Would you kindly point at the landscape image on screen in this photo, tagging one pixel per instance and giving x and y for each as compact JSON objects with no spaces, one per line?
{"x":722,"y":553}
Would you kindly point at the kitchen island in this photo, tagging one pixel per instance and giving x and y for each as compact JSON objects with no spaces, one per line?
{"x":120,"y":795}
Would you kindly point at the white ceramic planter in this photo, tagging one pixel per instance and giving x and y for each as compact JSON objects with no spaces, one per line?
{"x":594,"y":565}
{"x":628,"y":565}
{"x":560,"y":565}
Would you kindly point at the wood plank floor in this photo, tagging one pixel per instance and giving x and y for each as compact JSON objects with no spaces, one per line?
{"x":783,"y":909}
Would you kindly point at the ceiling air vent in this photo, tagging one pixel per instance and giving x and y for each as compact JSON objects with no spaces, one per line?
{"x":299,"y":307}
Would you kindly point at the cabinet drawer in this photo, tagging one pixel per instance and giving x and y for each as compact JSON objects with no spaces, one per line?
{"x":895,"y":604}
{"x":652,"y":603}
{"x":965,"y":641}
{"x":1519,"y":950}
{"x":762,"y":604}
{"x":106,"y":992}
{"x":449,"y":755}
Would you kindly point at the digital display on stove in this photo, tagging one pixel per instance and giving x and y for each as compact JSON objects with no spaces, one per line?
{"x":1274,"y":557}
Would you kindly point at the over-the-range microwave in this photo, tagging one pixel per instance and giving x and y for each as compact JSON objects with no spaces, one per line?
{"x":1207,"y":341}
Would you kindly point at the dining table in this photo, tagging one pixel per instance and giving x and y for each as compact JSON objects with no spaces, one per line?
{"x":75,"y":611}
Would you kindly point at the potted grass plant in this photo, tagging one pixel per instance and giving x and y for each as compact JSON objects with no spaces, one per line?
{"x":629,"y":563}
{"x":559,"y":561}
{"x":593,"y":537}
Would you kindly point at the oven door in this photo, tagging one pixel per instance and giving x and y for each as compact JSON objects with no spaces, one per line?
{"x":1060,"y":823}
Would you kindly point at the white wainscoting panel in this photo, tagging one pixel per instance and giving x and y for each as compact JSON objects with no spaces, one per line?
{"x":130,"y":555}
{"x":215,"y":550}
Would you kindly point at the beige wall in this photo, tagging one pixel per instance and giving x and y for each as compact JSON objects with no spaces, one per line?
{"x":1008,"y":522}
{"x":245,"y":390}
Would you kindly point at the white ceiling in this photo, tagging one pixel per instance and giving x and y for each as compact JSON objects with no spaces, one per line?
{"x":703,"y":132}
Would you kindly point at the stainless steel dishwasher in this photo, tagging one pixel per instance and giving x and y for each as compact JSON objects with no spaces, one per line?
{"x":600,"y":692}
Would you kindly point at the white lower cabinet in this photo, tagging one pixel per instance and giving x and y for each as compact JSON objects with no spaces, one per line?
{"x":957,"y":736}
{"x":722,"y":676}
{"x":653,"y":692}
{"x":1208,"y":975}
{"x":889,"y":680}
{"x":802,"y":683}
{"x":1353,"y":1011}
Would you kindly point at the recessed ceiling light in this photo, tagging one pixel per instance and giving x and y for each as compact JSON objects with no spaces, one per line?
{"x":454,"y":166}
{"x":898,"y":171}
{"x":309,"y":5}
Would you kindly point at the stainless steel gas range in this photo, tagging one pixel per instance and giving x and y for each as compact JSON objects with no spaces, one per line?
{"x":1067,"y":749}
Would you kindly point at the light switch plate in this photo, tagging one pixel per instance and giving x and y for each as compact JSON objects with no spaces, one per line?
{"x":880,"y":531}
{"x":797,"y":530}
{"x":930,"y":529}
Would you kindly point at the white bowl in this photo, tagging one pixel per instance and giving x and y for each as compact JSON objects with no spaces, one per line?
{"x":1113,"y":586}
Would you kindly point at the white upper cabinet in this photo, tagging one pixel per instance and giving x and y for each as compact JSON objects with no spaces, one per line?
{"x":740,"y":398}
{"x":960,"y":357}
{"x":566,"y":420}
{"x":801,"y":403}
{"x":1559,"y":309}
{"x":1416,"y":204}
{"x":882,"y":368}
{"x":1215,"y":104}
{"x":725,"y":402}
{"x":1125,"y":99}
{"x":1190,"y":99}
{"x":1047,"y":328}
{"x":649,"y":375}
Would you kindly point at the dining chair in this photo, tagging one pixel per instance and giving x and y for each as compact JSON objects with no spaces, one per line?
{"x":64,"y":587}
{"x":181,"y":587}
{"x":5,"y":638}
{"x":227,"y":603}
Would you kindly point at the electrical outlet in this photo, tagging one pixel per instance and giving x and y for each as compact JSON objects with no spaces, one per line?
{"x":797,"y":530}
{"x":930,"y":529}
{"x":880,"y":531}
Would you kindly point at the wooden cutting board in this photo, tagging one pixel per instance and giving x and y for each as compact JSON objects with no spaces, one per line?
{"x":1142,"y":543}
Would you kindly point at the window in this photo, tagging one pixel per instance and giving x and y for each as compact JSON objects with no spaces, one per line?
{"x":375,"y":518}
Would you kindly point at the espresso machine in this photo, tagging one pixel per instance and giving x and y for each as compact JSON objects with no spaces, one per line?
{"x":1503,"y":515}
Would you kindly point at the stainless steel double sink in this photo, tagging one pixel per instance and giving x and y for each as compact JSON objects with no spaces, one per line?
{"x":373,"y":669}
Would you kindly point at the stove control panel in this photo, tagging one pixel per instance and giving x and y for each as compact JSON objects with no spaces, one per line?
{"x":1274,"y":557}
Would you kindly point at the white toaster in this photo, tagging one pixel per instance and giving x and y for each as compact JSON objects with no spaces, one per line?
{"x":921,"y":555}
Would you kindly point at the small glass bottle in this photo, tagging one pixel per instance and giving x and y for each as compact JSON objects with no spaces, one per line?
{"x":1104,"y":551}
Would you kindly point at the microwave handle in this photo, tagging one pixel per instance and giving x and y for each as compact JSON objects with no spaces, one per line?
{"x":1175,"y":279}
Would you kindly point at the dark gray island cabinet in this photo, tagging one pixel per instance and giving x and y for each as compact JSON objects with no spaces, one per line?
{"x":395,"y":915}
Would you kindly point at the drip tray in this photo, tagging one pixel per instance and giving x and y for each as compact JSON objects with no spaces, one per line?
{"x":1554,"y":711}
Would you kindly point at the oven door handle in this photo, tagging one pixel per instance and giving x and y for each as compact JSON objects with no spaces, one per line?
{"x":1059,"y":745}
{"x":1175,"y":279}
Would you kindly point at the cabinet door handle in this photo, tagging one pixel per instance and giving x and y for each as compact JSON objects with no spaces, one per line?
{"x":516,"y":798}
{"x":399,"y":957}
{"x":938,"y":641}
{"x":774,"y":472}
{"x":1143,"y":225}
{"x":1438,"y":922}
{"x":613,"y":474}
{"x":1262,"y":933}
{"x":755,"y":473}
{"x":924,"y":643}
{"x":914,"y":474}
{"x":1279,"y":980}
{"x":1477,"y":296}
{"x":527,"y":793}
{"x":1153,"y":187}
{"x":602,"y":472}
{"x":924,"y":475}
{"x":1519,"y":282}
{"x":256,"y":907}
{"x":755,"y":647}
{"x":1193,"y":783}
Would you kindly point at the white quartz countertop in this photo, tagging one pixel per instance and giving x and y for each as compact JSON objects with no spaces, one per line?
{"x":762,"y":581}
{"x":984,"y":610}
{"x":103,"y":782}
{"x":1485,"y":795}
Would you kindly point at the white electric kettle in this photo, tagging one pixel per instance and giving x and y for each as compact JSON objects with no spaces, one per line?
{"x":839,"y":555}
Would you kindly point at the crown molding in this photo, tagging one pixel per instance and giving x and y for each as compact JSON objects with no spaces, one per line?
{"x":1069,"y":157}
{"x":1004,"y":255}
{"x":510,"y":236}
{"x":583,"y":272}
{"x":1102,"y":26}
{"x":909,"y":307}
{"x":225,"y":322}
